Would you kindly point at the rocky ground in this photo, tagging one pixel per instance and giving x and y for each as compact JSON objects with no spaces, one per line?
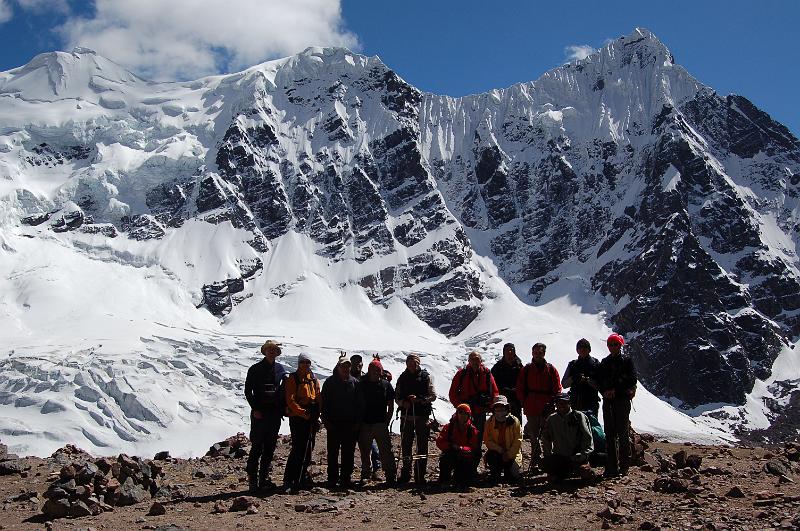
{"x":677,"y":486}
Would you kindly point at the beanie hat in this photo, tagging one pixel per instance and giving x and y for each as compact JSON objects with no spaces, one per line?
{"x":616,"y":338}
{"x":465,"y":408}
{"x":303,"y":356}
{"x":270,"y":345}
{"x":343,"y":360}
{"x":356,"y":358}
{"x":583,"y":343}
{"x":376,"y":362}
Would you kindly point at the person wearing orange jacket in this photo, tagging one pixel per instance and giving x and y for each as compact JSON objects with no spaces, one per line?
{"x":474,"y":385}
{"x":537,"y":386}
{"x":460,"y":445}
{"x":303,"y":400}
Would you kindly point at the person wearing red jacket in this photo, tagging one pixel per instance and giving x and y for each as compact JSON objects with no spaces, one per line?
{"x":460,"y":446}
{"x":538,"y":384}
{"x":474,"y":385}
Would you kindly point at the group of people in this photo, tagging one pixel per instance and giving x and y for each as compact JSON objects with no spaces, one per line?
{"x":357,"y":409}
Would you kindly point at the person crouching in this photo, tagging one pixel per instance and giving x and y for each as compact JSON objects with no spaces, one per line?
{"x":503,"y":440}
{"x":460,"y":446}
{"x":566,"y":442}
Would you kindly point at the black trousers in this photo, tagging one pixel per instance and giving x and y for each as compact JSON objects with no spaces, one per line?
{"x":263,"y":438}
{"x":342,"y":436}
{"x":494,"y":460}
{"x":617,"y":423}
{"x":462,"y":470}
{"x":558,"y":465}
{"x":411,"y":428}
{"x":304,"y":435}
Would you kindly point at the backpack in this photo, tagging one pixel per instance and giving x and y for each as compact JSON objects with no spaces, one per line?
{"x":549,"y":368}
{"x":297,"y":382}
{"x":483,"y":398}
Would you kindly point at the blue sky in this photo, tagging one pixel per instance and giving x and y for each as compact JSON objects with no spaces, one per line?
{"x":442,"y":46}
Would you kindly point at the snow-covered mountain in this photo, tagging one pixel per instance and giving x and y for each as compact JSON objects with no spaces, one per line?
{"x":153,"y":234}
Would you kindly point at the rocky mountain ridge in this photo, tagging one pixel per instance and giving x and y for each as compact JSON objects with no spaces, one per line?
{"x":619,"y":176}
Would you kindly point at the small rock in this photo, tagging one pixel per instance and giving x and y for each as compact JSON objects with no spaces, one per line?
{"x":157,"y":509}
{"x":219,"y":507}
{"x":243,"y":502}
{"x":694,"y":461}
{"x":735,"y":492}
{"x":680,"y":459}
{"x":162,"y":456}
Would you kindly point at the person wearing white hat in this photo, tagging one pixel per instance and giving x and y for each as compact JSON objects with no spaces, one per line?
{"x":503,"y":440}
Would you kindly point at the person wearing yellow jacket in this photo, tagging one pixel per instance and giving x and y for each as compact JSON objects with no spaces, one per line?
{"x":503,"y":440}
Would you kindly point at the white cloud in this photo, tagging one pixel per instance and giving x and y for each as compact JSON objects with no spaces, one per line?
{"x":188,"y":38}
{"x":40,"y":6}
{"x":5,"y":11}
{"x":578,"y":51}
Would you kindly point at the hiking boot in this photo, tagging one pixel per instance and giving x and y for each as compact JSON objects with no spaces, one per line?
{"x":252,"y":485}
{"x":376,"y":475}
{"x":610,"y":474}
{"x":267,"y":484}
{"x":404,"y":478}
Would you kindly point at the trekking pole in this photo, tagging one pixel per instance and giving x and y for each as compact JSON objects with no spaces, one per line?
{"x":308,"y":449}
{"x":613,"y":422}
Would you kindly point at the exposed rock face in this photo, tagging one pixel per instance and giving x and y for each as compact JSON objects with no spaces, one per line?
{"x":676,"y":205}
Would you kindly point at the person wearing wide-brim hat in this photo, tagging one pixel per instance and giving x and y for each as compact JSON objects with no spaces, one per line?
{"x":262,"y":389}
{"x":503,"y":440}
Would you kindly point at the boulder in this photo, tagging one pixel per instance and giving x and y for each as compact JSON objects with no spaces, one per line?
{"x":131,"y":493}
{"x":16,"y":466}
{"x":56,"y":508}
{"x":694,"y":461}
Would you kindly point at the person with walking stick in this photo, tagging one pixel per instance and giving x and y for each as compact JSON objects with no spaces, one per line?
{"x":414,"y":395}
{"x":303,"y":406}
{"x":616,"y":380}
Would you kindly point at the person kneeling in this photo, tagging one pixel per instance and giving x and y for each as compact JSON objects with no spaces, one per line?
{"x":567,"y":442}
{"x":503,"y":440}
{"x":460,"y":448}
